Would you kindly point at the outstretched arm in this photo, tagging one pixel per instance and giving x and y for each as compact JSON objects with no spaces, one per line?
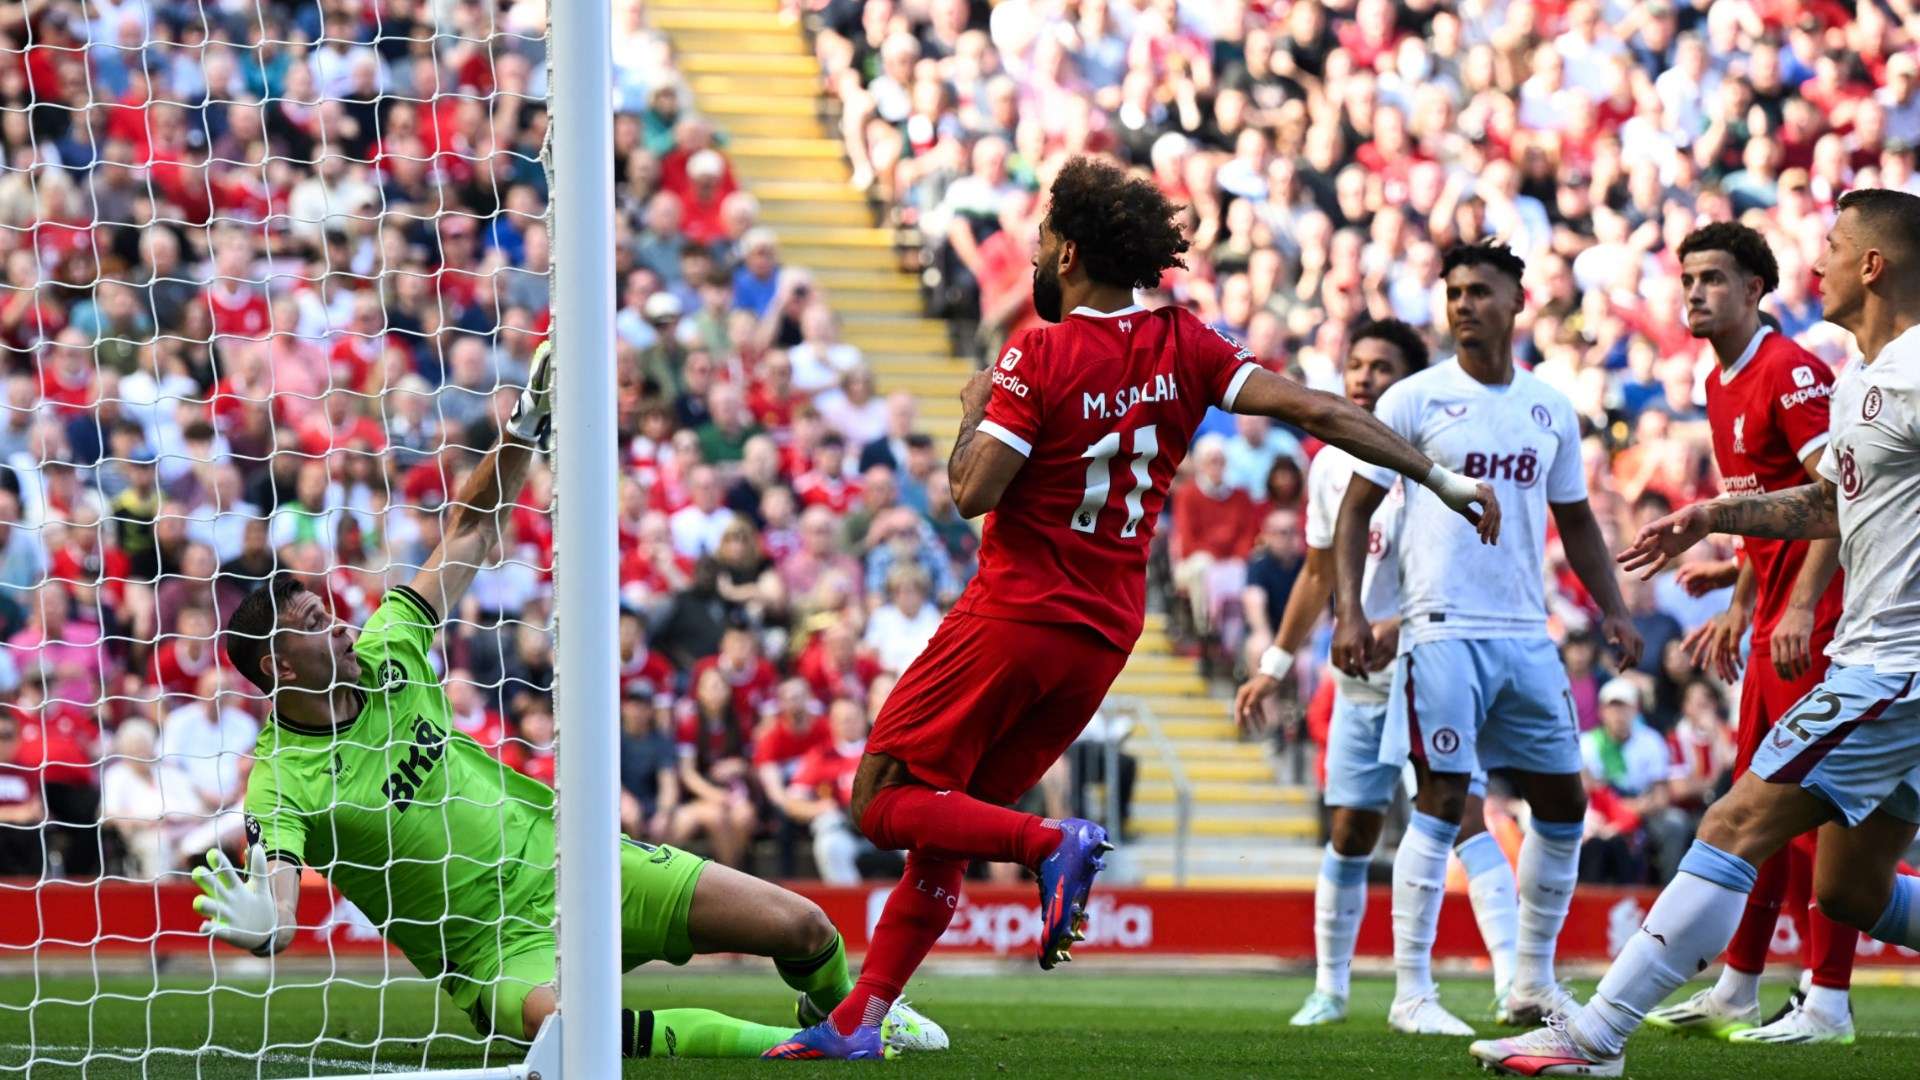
{"x":1807,"y":512}
{"x":473,"y":533}
{"x":1353,"y":429}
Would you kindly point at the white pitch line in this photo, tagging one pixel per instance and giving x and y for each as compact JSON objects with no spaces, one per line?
{"x":275,"y":1057}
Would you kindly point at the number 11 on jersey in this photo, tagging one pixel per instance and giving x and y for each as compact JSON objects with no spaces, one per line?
{"x":1146,"y":446}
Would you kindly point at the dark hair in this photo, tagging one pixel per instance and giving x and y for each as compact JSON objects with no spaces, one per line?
{"x":1413,"y":347}
{"x":1746,"y":245}
{"x":1124,"y":228}
{"x":1486,"y":253}
{"x":1892,"y":217}
{"x":249,"y":634}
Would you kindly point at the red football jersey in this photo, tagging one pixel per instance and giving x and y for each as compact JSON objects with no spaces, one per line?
{"x":1103,"y":407}
{"x":1768,"y":412}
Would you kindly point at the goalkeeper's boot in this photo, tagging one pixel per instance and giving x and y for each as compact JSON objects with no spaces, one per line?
{"x":1425,"y":1015}
{"x":1799,"y":1026}
{"x":1320,"y":1008}
{"x":823,"y":1041}
{"x":912,"y":1029}
{"x":1531,"y":1006}
{"x":1705,"y":1013}
{"x":1550,"y":1051}
{"x":1066,"y":877}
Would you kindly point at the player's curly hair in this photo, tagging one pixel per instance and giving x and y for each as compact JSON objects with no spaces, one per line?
{"x":1413,"y":347}
{"x":1125,"y":229}
{"x":1484,"y":253}
{"x":1745,"y":244}
{"x":249,"y":635}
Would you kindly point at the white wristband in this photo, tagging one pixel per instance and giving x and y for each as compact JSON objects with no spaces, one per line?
{"x":1449,"y":485}
{"x":1275,"y":663}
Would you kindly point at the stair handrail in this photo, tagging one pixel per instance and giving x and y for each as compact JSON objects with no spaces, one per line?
{"x":1147,"y":719}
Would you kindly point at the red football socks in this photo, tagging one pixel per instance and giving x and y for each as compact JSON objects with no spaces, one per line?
{"x":919,"y":819}
{"x":1747,"y":952}
{"x":917,"y":913}
{"x":1826,"y":947}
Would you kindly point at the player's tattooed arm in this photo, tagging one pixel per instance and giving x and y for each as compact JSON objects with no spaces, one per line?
{"x":979,"y":470}
{"x":1807,"y":512}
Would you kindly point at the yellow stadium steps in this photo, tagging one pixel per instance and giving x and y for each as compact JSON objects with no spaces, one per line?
{"x":1217,"y":728}
{"x":1152,"y":768}
{"x":805,"y":190}
{"x":1159,"y":685}
{"x":1192,"y":750}
{"x":868,"y":281}
{"x":738,"y":125}
{"x":721,"y":106}
{"x":813,"y":257}
{"x":754,"y":169}
{"x":784,"y":215}
{"x":744,"y":63}
{"x":1274,"y":829}
{"x":787,"y":149}
{"x":1144,"y":662}
{"x":777,"y":85}
{"x":854,"y":302}
{"x":690,"y":44}
{"x":715,"y":5}
{"x":708,"y":19}
{"x":1185,"y":707}
{"x":1214,"y":792}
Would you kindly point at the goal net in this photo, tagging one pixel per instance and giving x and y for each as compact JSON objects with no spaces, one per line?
{"x":272,"y":278}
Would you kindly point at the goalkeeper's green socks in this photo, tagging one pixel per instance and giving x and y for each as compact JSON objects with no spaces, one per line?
{"x":822,"y":977}
{"x":695,"y":1033}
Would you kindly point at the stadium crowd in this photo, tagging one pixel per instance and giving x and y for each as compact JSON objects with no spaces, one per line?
{"x":269,"y":279}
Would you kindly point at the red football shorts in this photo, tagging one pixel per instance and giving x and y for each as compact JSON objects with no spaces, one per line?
{"x":1765,"y":697}
{"x":992,"y":704}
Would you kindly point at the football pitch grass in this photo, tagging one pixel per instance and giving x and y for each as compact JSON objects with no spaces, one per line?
{"x":1075,"y":1023}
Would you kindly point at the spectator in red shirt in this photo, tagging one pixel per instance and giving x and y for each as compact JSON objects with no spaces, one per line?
{"x":748,"y":675}
{"x":1214,"y":527}
{"x":188,"y":653}
{"x":820,"y":791}
{"x":827,"y":483}
{"x":536,"y":742}
{"x":22,"y":807}
{"x":833,"y":664}
{"x":789,"y":733}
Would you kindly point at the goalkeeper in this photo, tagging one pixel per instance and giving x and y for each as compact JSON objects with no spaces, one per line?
{"x":361,"y":775}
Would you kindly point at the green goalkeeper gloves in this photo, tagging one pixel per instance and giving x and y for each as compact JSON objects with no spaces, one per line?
{"x":240,"y":913}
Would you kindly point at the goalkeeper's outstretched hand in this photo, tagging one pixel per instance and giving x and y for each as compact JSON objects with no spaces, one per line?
{"x":532,"y":418}
{"x":240,"y":913}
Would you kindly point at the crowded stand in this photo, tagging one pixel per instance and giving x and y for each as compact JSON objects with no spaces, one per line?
{"x":269,"y":286}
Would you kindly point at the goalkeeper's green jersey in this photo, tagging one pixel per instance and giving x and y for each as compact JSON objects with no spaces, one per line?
{"x":441,"y":846}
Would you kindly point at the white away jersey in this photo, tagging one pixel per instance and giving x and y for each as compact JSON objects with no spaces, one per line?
{"x":1327,"y":480}
{"x":1524,"y":440}
{"x":1873,"y":461}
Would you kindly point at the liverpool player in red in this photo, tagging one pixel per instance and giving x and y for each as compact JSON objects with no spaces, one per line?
{"x":1068,"y":443}
{"x":1768,"y":408}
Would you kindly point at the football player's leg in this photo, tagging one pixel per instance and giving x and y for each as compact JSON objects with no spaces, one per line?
{"x":917,"y":912}
{"x":969,"y":687}
{"x":1491,"y":888}
{"x":1857,"y":878}
{"x":1531,"y":728}
{"x":1359,"y":790}
{"x":1737,"y":993}
{"x":1433,"y":716}
{"x":1695,"y":915}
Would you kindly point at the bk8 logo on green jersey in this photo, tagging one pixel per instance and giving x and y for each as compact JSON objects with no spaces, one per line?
{"x":428,"y":747}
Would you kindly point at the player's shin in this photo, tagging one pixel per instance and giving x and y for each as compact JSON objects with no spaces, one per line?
{"x":1549,"y":867}
{"x":1739,"y":983}
{"x":1496,"y":903}
{"x":694,"y":1033}
{"x":1688,"y":926}
{"x":822,"y":977}
{"x":1419,"y":887}
{"x":1899,"y":924}
{"x":917,"y":913}
{"x":1339,"y":906}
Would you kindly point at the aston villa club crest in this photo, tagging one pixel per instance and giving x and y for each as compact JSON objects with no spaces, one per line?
{"x":1870,"y":406}
{"x":1543,"y":417}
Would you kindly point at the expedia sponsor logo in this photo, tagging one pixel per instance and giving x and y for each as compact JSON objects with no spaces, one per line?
{"x":1804,"y":395}
{"x":1010,"y":383}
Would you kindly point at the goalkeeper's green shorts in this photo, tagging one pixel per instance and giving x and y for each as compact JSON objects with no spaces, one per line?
{"x":656,"y":894}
